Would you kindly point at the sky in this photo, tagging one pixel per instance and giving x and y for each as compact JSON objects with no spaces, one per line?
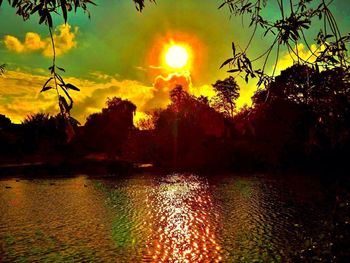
{"x":121,"y":52}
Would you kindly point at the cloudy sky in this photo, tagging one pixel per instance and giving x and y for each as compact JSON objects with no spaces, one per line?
{"x":120,"y":52}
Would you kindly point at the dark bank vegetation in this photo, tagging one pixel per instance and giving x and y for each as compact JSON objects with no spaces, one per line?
{"x":298,"y":122}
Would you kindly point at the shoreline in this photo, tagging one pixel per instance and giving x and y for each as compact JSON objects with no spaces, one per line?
{"x":107,"y":167}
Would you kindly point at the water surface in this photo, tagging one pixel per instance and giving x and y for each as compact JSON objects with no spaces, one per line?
{"x":153,"y":218}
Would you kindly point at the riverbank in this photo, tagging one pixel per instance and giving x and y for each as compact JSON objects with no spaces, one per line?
{"x":66,"y":167}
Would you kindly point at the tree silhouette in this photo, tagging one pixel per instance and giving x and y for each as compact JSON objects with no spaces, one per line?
{"x":186,"y":130}
{"x":227,"y":92}
{"x":4,"y":122}
{"x":44,"y":134}
{"x":108,"y":130}
{"x":318,"y":103}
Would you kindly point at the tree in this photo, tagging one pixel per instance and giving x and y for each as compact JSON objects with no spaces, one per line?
{"x":108,"y":130}
{"x":46,"y":134}
{"x":314,"y":104}
{"x":227,"y":92}
{"x":4,"y":122}
{"x":186,"y":131}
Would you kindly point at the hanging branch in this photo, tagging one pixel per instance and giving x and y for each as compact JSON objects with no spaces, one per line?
{"x":331,"y":45}
{"x":59,"y":82}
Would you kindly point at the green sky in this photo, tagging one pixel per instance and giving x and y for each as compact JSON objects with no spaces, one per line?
{"x":111,"y":53}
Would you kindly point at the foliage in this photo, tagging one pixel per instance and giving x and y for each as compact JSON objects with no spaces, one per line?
{"x":43,"y":133}
{"x":149,"y":122}
{"x":305,"y":112}
{"x":185,"y":131}
{"x":46,"y":8}
{"x":2,"y":69}
{"x":296,"y":17}
{"x":227,"y":92}
{"x":4,"y":121}
{"x":108,"y":130}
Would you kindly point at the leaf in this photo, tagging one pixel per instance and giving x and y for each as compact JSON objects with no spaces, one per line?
{"x":14,"y":3}
{"x":71,"y":86}
{"x":233,"y":70}
{"x":248,"y":63}
{"x":64,"y":10}
{"x":46,"y":88}
{"x":226,"y":62}
{"x":62,"y":69}
{"x":90,"y":2}
{"x":36,"y":8}
{"x":49,"y":20}
{"x":63,"y":104}
{"x":46,"y":83}
{"x":246,"y":6}
{"x":60,"y":78}
{"x":42,"y":18}
{"x":233,"y":49}
{"x":224,"y":3}
{"x":65,"y":91}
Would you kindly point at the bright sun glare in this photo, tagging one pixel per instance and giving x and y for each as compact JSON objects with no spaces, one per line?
{"x":176,"y":56}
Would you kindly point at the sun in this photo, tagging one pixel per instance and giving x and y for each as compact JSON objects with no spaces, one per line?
{"x":176,"y":56}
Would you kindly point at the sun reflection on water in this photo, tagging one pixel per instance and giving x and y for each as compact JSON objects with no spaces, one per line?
{"x":181,"y":220}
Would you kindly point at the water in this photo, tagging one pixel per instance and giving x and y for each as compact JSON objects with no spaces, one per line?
{"x":152,"y":218}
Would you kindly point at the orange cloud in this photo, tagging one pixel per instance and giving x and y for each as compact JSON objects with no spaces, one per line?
{"x":163,"y":85}
{"x":169,"y":82}
{"x":20,"y":93}
{"x":64,"y":41}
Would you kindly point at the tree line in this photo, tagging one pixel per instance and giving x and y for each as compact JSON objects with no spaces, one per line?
{"x":299,"y":121}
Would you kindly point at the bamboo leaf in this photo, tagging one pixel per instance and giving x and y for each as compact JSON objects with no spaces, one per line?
{"x":224,"y":3}
{"x":233,"y":70}
{"x":71,"y":86}
{"x":226,"y":62}
{"x":64,"y":10}
{"x":47,"y":82}
{"x":233,"y":49}
{"x":46,"y":88}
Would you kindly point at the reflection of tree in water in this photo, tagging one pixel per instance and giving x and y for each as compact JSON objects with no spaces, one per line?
{"x":251,"y":223}
{"x":182,"y":222}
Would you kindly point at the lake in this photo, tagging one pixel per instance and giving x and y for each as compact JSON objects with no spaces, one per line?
{"x":164,"y":218}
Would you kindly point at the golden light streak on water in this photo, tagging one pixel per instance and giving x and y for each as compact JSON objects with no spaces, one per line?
{"x":181,"y":222}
